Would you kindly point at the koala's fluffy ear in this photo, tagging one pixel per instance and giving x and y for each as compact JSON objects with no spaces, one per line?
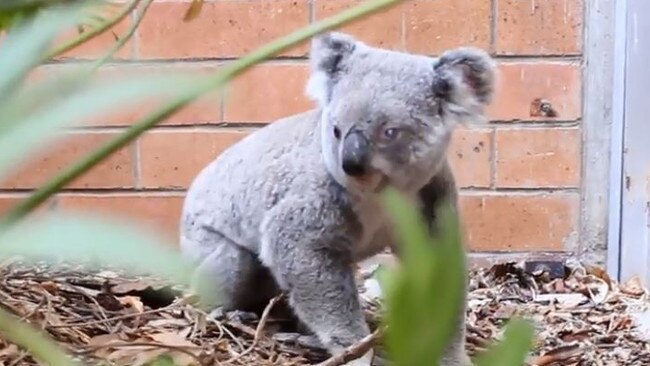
{"x":328,"y":56}
{"x":465,"y":78}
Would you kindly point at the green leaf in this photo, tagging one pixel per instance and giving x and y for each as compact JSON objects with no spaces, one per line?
{"x":163,"y":361}
{"x":29,"y":133}
{"x":39,"y":345}
{"x":99,"y":241}
{"x":513,"y":349}
{"x":24,"y":47}
{"x":15,"y":5}
{"x":424,"y":298}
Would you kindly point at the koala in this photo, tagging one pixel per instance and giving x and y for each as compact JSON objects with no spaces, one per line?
{"x":294,"y":205}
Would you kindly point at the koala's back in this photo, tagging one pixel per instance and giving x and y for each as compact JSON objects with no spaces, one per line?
{"x":231,"y":195}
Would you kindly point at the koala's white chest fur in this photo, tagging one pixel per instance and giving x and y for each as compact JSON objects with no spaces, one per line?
{"x":377,"y":226}
{"x":376,"y":234}
{"x":373,"y":219}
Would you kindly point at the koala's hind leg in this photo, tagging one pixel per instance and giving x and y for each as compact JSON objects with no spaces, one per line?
{"x":239,"y":279}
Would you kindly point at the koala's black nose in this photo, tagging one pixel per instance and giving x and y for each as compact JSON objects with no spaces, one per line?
{"x":353,"y":168}
{"x":355,"y":153}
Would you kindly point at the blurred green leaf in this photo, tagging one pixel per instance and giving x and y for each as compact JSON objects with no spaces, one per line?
{"x":163,"y":361}
{"x":425,"y":295}
{"x":13,"y":5}
{"x":76,"y":103}
{"x":39,"y":345}
{"x":513,"y":348}
{"x":24,"y":47}
{"x":98,"y":241}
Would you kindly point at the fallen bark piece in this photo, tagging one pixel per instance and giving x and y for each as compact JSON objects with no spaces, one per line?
{"x":561,"y":354}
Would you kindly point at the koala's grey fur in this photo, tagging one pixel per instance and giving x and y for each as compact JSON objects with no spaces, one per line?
{"x":293,"y":205}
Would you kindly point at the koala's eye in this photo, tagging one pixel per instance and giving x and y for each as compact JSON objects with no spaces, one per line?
{"x":337,"y":133}
{"x":391,"y":133}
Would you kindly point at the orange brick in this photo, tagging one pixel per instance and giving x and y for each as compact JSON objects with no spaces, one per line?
{"x":267,"y":92}
{"x":115,"y":172}
{"x":9,"y":201}
{"x":433,"y":26}
{"x":521,"y":85}
{"x":172,"y":159}
{"x":99,"y":45}
{"x":381,"y":29}
{"x":533,"y":27}
{"x":530,"y":158}
{"x":228,"y":28}
{"x":469,"y":156}
{"x":520,"y":222}
{"x":156,"y":212}
{"x":204,"y":110}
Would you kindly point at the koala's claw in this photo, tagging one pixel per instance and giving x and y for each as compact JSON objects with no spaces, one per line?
{"x":308,"y":341}
{"x":237,"y":316}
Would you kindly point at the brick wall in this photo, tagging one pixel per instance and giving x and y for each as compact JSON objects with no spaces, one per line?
{"x":520,"y":175}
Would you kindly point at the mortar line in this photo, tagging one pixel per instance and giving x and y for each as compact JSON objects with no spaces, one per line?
{"x":467,"y":191}
{"x":523,"y":58}
{"x":251,"y":125}
{"x":493,"y":158}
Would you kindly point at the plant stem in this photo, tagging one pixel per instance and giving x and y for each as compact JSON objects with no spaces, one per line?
{"x":122,"y":41}
{"x":41,"y":347}
{"x":228,"y":72}
{"x":85,"y":36}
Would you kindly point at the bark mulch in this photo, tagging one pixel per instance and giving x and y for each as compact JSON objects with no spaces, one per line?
{"x":582,"y":318}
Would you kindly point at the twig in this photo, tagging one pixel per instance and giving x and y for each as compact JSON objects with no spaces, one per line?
{"x":19,"y":359}
{"x":129,"y":34}
{"x":36,"y":309}
{"x":355,"y":351}
{"x":114,"y":318}
{"x":183,"y":349}
{"x":260,"y":328}
{"x":222,"y":328}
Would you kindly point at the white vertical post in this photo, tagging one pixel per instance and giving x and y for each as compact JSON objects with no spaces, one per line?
{"x":616,"y":143}
{"x":635,"y":182}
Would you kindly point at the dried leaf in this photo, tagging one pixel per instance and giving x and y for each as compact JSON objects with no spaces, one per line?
{"x":633,"y":287}
{"x":193,"y":10}
{"x":132,"y":302}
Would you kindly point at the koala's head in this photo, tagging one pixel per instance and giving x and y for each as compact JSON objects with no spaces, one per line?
{"x":387,"y":116}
